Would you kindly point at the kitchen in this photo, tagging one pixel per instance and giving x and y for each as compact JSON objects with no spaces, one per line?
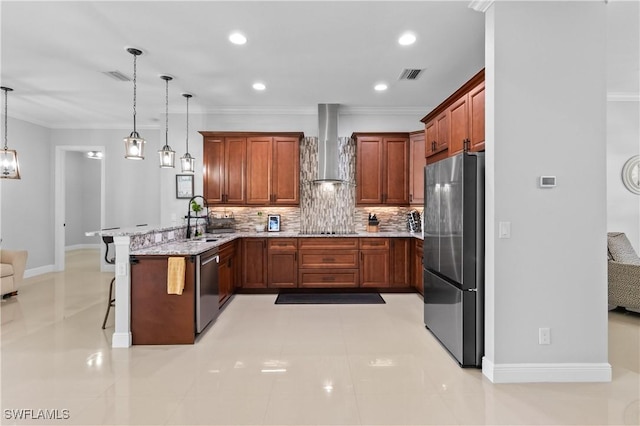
{"x":145,"y":194}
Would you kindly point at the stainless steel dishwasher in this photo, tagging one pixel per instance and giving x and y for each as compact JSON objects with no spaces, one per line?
{"x":206,"y":288}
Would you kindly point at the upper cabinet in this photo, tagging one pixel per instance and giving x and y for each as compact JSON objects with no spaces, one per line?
{"x":457,"y":124}
{"x":259,"y":169}
{"x":416,"y":167}
{"x":382,"y":168}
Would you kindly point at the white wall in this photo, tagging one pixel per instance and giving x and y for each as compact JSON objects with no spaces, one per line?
{"x":27,"y":204}
{"x":82,"y":199}
{"x":623,"y":142}
{"x":546,"y":115}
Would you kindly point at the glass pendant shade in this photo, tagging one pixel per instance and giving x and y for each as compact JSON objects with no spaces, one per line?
{"x":9,"y":168}
{"x":134,"y":147}
{"x":188,"y":163}
{"x":167,"y":157}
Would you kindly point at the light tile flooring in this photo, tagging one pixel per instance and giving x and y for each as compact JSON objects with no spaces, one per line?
{"x":262,"y":363}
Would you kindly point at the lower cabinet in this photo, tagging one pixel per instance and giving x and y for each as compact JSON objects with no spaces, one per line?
{"x":227,"y":271}
{"x":254,"y":263}
{"x":418,"y":274}
{"x":374,"y":262}
{"x":158,"y":318}
{"x":328,"y":262}
{"x":400,"y":261}
{"x":283,"y":263}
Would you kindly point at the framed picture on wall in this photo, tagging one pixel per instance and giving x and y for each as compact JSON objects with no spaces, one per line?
{"x":273,"y":223}
{"x":184,"y":186}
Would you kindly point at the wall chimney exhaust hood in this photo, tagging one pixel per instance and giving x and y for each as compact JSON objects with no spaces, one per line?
{"x":328,"y":155}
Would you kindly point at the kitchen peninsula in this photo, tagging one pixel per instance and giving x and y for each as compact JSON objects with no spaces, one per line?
{"x":266,"y":262}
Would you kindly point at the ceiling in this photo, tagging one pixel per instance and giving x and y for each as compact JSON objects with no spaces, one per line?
{"x":54,"y":55}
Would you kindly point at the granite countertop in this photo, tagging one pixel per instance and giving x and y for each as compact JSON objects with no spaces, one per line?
{"x":200,"y":244}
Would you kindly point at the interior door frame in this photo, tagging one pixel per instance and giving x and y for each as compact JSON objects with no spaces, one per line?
{"x":60,"y":199}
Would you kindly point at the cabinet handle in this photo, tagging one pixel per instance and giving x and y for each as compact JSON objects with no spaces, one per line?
{"x":328,"y":278}
{"x":328,"y":259}
{"x":410,"y":197}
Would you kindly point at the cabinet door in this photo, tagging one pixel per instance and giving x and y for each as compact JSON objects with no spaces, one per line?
{"x":235,"y":161}
{"x":442,"y":131}
{"x":374,"y":268}
{"x":213,"y":174}
{"x":416,"y":168}
{"x":400,"y":263}
{"x":259,"y":163}
{"x":369,"y":177}
{"x":431,"y":136}
{"x":283,"y":269}
{"x":396,"y":171}
{"x":254,"y":263}
{"x":458,"y":119}
{"x":476,"y":118}
{"x":286,"y":171}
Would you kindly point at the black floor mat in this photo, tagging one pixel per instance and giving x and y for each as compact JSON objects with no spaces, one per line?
{"x":328,"y":298}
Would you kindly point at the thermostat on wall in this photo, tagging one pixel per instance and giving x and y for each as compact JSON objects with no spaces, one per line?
{"x":547,"y":181}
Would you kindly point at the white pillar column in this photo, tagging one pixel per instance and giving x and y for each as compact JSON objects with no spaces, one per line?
{"x":122,"y":334}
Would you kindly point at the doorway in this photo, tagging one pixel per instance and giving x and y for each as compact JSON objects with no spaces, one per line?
{"x":64,"y":160}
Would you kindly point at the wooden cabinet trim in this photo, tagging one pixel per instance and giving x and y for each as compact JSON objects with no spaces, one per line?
{"x":479,"y":77}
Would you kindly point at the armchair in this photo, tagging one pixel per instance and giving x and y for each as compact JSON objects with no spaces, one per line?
{"x":623,"y":272}
{"x":12,"y":266}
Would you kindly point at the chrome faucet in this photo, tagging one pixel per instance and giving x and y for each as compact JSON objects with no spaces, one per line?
{"x":206,"y":206}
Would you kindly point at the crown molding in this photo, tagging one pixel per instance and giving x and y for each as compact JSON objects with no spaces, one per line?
{"x":480,"y":5}
{"x":623,"y":97}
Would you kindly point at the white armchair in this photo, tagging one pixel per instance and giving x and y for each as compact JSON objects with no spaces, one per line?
{"x":12,"y":266}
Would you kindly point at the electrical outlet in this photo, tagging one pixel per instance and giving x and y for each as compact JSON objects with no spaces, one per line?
{"x":171,"y":235}
{"x":121,"y":269}
{"x":544,"y":336}
{"x":158,"y":237}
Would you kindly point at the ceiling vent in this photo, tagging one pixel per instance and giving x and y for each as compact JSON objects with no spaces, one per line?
{"x":410,"y":74}
{"x":116,"y":75}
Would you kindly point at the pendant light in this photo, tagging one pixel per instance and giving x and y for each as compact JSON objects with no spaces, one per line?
{"x":134,"y":144}
{"x":188,"y":162}
{"x":167,"y":155}
{"x":8,"y":157}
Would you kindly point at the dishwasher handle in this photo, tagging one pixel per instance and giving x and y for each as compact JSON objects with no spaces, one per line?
{"x":211,"y":259}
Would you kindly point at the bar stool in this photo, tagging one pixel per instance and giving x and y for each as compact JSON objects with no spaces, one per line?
{"x":108,"y":241}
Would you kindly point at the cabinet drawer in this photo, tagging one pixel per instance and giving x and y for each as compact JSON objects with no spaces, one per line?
{"x":227,"y":249}
{"x":283,"y":244}
{"x":328,"y":278}
{"x":328,"y":259}
{"x":374,"y":243}
{"x":329,"y":243}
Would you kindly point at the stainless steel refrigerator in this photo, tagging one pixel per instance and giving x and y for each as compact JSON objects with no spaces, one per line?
{"x":454,"y":255}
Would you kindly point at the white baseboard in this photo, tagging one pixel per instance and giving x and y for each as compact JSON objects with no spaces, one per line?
{"x":121,"y":340}
{"x":546,"y":372}
{"x":82,"y":247}
{"x":38,"y":271}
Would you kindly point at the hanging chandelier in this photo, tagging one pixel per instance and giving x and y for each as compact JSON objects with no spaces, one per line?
{"x":134,"y":144}
{"x":188,"y":162}
{"x":9,"y":168}
{"x":167,"y":155}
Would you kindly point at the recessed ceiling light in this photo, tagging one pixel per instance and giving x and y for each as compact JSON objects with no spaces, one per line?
{"x":380,"y":87}
{"x":407,"y":39}
{"x":237,"y":38}
{"x":259,"y":86}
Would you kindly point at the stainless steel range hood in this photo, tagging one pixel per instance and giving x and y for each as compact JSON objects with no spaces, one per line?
{"x":328,"y":155}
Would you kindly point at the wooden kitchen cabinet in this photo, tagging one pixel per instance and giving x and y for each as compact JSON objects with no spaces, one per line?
{"x":252,"y":168}
{"x":400,"y":258}
{"x":283,"y":263}
{"x":273,"y":170}
{"x":224,"y":161}
{"x":374,"y":262}
{"x":227,"y":271}
{"x":457,"y":124}
{"x":328,"y":262}
{"x":158,"y":318}
{"x":382,"y":168}
{"x":254,"y":263}
{"x":418,"y":274}
{"x":416,"y":167}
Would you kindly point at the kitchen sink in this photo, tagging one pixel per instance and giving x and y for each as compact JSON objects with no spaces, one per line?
{"x":204,"y":240}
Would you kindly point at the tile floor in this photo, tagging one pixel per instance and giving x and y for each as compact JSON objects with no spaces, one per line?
{"x":262,"y":363}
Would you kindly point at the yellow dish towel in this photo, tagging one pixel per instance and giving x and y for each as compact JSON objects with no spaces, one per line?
{"x":175,"y":275}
